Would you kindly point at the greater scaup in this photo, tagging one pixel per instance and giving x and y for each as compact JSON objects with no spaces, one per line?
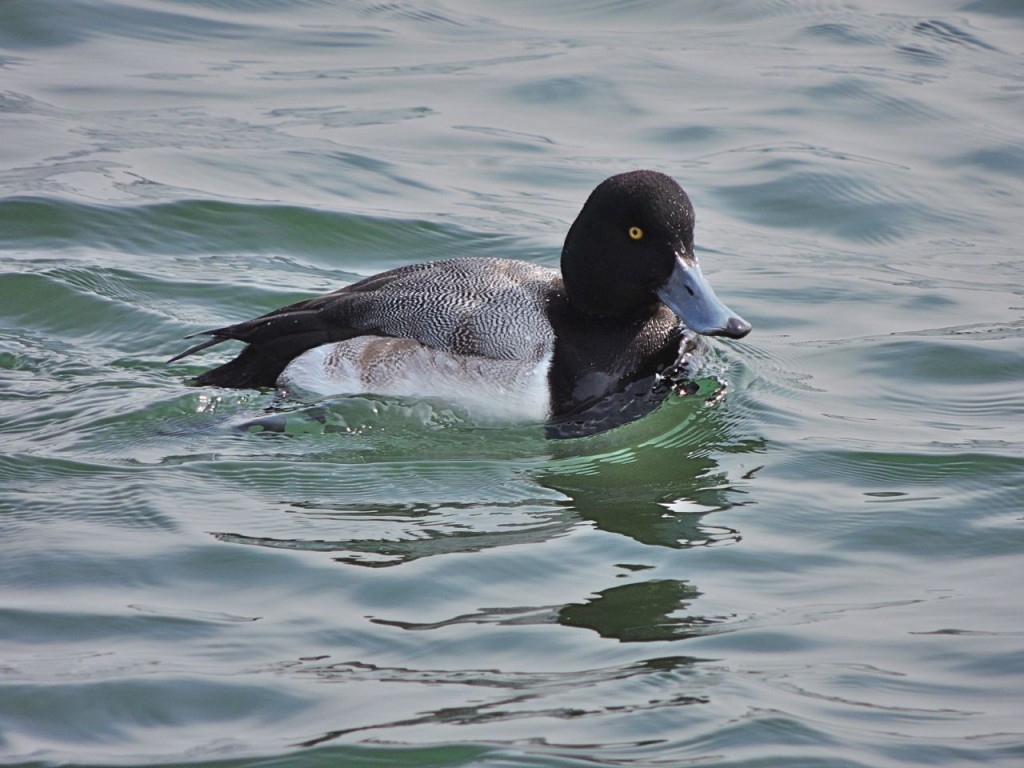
{"x":505,"y":338}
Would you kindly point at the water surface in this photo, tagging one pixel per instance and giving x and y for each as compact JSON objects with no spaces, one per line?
{"x":821,"y":569}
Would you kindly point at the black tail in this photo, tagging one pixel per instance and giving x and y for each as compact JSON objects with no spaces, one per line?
{"x":273,"y":341}
{"x":278,"y":337}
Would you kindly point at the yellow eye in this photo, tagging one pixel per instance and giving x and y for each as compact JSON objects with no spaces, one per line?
{"x":635,"y":233}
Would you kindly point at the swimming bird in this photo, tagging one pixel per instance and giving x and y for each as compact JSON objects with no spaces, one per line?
{"x":582,"y":350}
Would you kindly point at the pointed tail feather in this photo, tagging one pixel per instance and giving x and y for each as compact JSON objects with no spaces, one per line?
{"x":217,"y":339}
{"x":273,"y":341}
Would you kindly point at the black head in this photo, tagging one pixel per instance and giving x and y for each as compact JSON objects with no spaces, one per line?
{"x":631,"y":247}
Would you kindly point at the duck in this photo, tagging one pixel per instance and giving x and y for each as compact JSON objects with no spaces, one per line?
{"x":581,"y":350}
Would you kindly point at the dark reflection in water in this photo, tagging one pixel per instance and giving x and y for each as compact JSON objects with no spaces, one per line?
{"x":522,"y":695}
{"x":431,"y":539}
{"x":637,"y":500}
{"x":640,"y":512}
{"x":647,"y":611}
{"x":639,"y":613}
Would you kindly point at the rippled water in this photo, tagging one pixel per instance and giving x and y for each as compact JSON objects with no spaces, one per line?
{"x":822,"y":569}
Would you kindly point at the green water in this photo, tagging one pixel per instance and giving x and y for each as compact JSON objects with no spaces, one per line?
{"x":821,"y":570}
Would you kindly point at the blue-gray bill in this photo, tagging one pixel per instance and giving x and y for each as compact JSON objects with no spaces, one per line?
{"x":692,"y":298}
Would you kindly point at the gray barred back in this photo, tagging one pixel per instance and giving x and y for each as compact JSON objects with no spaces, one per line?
{"x":493,"y":308}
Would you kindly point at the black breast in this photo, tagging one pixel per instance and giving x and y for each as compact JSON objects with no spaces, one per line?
{"x":596,"y":363}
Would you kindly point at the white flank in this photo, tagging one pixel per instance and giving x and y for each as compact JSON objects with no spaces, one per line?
{"x":493,"y":390}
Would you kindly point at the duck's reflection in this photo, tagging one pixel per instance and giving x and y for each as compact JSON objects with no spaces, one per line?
{"x":647,"y":611}
{"x":652,"y":503}
{"x":506,"y":697}
{"x":657,"y":482}
{"x":654,"y":481}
